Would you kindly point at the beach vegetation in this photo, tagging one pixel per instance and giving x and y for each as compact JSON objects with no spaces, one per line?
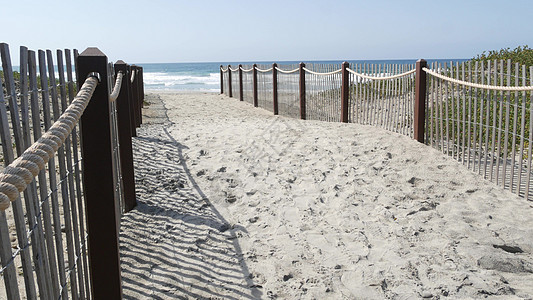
{"x":522,"y":55}
{"x":489,"y":121}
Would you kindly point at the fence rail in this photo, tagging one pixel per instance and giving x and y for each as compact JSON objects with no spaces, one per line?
{"x":480,"y":114}
{"x":50,"y":248}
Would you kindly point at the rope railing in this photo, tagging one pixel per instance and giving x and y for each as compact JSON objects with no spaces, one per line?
{"x":247,"y":70}
{"x":116,"y":88}
{"x":287,"y":71}
{"x":263,"y":71}
{"x":223,"y":71}
{"x":233,"y":70}
{"x":322,"y":74}
{"x":21,"y":172}
{"x":380,"y":77}
{"x":477,"y":85}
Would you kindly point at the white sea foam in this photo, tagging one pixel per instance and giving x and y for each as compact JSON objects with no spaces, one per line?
{"x":163,"y":80}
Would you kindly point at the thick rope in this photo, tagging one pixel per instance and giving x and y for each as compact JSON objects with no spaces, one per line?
{"x":264,"y":71}
{"x":233,"y":70}
{"x":116,"y":88}
{"x":322,"y":74}
{"x":480,"y":86}
{"x":287,"y":72}
{"x":249,"y":70}
{"x":15,"y":178}
{"x":223,"y":71}
{"x":381,"y":78}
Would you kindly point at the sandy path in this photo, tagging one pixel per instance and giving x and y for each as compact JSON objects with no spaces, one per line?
{"x":238,"y":204}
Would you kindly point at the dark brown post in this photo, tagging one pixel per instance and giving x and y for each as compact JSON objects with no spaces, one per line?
{"x":275,"y":87}
{"x":135,"y":98}
{"x":124,"y":134}
{"x":230,"y":93}
{"x":141,"y":84}
{"x":131,"y":100}
{"x":345,"y":92}
{"x":221,"y":81}
{"x":140,"y":93}
{"x":420,"y":101}
{"x":241,"y":97}
{"x":138,"y":98}
{"x":99,"y":190}
{"x":254,"y":74}
{"x":302,"y":91}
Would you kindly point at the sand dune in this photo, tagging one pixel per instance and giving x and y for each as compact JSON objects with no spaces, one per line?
{"x":236,"y":203}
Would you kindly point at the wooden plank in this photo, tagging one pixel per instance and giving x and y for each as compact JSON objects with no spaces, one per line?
{"x":486,"y":121}
{"x":475,"y":124}
{"x":18,"y":211}
{"x":464,"y":116}
{"x":513,"y":135}
{"x":63,"y":184}
{"x":9,"y":274}
{"x":79,"y":175}
{"x":30,"y":194}
{"x":494,"y":118}
{"x":522,"y":129}
{"x":500,"y":99}
{"x":45,"y":284}
{"x":67,"y":185}
{"x":56,"y":266}
{"x":530,"y":143}
{"x":469,"y":126}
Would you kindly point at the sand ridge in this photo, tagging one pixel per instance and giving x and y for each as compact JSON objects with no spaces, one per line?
{"x":236,"y":203}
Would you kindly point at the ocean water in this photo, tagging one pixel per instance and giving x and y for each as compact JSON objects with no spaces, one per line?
{"x":206,"y":76}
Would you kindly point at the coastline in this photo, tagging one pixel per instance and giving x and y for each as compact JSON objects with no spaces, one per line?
{"x":243,"y":204}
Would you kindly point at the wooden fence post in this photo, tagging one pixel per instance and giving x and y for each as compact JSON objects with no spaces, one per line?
{"x":124,"y":134}
{"x":420,"y":101}
{"x":141,"y":85}
{"x":241,"y":97}
{"x":221,"y":81}
{"x":254,"y":74}
{"x":230,"y":93}
{"x":345,"y":92}
{"x":302,"y":91}
{"x":138,"y":96}
{"x":131,"y":101}
{"x":99,"y":190}
{"x":135,"y":98}
{"x":275,"y":87}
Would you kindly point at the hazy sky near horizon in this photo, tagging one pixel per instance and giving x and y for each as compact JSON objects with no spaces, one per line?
{"x":274,"y":30}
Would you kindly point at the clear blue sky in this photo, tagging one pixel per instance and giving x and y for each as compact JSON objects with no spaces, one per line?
{"x":268,"y":30}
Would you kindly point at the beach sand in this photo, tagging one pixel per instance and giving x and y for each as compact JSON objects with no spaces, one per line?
{"x":235,"y":203}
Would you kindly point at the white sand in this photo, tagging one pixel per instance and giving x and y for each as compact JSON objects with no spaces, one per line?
{"x":236,"y":203}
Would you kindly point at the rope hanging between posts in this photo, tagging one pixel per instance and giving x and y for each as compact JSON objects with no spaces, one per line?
{"x":245,"y":71}
{"x":380,"y":78}
{"x":116,"y":88}
{"x":233,"y":70}
{"x":287,"y":72}
{"x":480,"y":86}
{"x":264,"y":71}
{"x":15,"y":178}
{"x":223,"y":71}
{"x":322,"y":74}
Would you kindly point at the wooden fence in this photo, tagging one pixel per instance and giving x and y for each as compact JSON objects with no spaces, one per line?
{"x":60,"y":239}
{"x":478,"y":113}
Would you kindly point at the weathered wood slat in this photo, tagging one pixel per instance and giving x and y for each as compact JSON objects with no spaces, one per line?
{"x":78,"y":175}
{"x":57,"y":267}
{"x":18,"y":210}
{"x":45,"y":287}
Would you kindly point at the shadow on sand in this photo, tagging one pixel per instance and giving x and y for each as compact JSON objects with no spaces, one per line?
{"x":175,"y":244}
